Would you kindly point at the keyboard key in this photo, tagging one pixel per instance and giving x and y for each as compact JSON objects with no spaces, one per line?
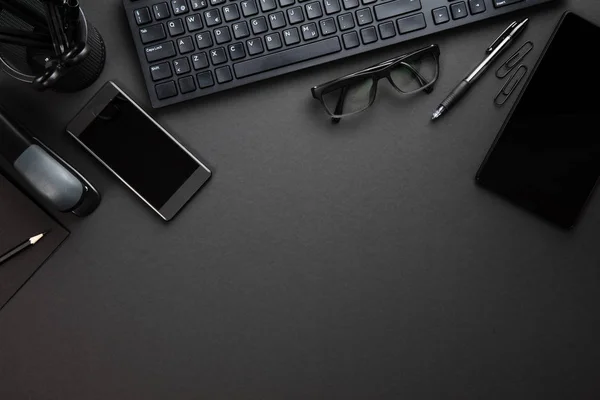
{"x":285,"y":3}
{"x":291,"y":36}
{"x":205,"y":79}
{"x":161,"y":11}
{"x":236,"y":51}
{"x":199,"y":4}
{"x":267,"y":5}
{"x":240,"y":30}
{"x":365,"y":2}
{"x":259,"y":25}
{"x":181,"y":66}
{"x":222,"y":35}
{"x":295,"y":15}
{"x":179,"y":6}
{"x":194,"y":22}
{"x":345,"y":21}
{"x":309,"y":31}
{"x":203,"y":40}
{"x":254,"y":46}
{"x":223,"y":74}
{"x":327,"y":26}
{"x":313,"y":10}
{"x":199,"y":61}
{"x":212,"y":17}
{"x":458,"y":10}
{"x":160,"y":71}
{"x":142,"y":16}
{"x":440,"y":15}
{"x":231,"y":12}
{"x":277,"y":20}
{"x":332,"y":6}
{"x":387,"y":30}
{"x":166,"y":90}
{"x":350,"y":4}
{"x":273,"y":41}
{"x":412,"y":23}
{"x":364,"y":17}
{"x":185,"y":44}
{"x":369,"y":35}
{"x":350,"y":40}
{"x":394,"y":8}
{"x":153,"y":33}
{"x":160,"y":51}
{"x":217,"y":2}
{"x":187,"y":85}
{"x":476,"y":6}
{"x":176,"y":27}
{"x":502,"y":3}
{"x":249,"y":8}
{"x":287,"y":57}
{"x":218,"y":56}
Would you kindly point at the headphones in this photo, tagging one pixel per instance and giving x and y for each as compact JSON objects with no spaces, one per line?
{"x":76,"y":48}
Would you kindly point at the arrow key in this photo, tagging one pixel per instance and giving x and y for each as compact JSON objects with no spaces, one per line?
{"x":440,"y":15}
{"x":476,"y":6}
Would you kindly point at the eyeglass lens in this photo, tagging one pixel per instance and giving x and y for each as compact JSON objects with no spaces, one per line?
{"x":409,"y":76}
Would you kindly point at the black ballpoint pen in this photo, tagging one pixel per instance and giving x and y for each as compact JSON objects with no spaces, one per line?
{"x":504,"y":41}
{"x":29,"y":242}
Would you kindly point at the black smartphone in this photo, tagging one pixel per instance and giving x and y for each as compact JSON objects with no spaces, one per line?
{"x":138,"y":151}
{"x":546,"y":157}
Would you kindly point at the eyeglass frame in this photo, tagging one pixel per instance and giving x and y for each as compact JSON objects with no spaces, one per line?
{"x":376,"y":72}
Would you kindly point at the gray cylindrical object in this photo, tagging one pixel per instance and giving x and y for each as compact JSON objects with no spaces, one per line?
{"x":51,"y":180}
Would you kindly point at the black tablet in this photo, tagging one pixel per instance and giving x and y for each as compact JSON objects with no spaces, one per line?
{"x":546,"y":157}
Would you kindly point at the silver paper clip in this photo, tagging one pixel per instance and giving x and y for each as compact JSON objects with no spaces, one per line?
{"x":510,"y":85}
{"x":514,"y":60}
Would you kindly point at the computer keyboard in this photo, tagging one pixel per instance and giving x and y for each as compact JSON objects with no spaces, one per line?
{"x":191,"y":48}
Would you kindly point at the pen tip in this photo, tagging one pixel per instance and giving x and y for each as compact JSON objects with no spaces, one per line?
{"x":36,"y":238}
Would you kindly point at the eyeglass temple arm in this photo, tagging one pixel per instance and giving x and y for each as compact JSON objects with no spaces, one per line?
{"x":339,"y":107}
{"x":422,"y":81}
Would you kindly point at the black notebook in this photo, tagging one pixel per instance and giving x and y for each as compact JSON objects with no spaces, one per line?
{"x":20,"y":219}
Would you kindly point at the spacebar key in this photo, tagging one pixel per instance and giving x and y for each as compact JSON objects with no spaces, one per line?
{"x":287,"y":57}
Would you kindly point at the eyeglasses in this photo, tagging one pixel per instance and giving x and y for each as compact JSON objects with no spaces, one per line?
{"x":409,"y":73}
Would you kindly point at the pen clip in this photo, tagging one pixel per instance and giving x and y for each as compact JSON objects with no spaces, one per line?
{"x":501,"y":37}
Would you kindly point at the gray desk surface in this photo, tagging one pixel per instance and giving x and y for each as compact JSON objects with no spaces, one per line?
{"x":355,"y":261}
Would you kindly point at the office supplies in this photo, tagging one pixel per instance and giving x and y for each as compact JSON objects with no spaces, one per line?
{"x":48,"y":175}
{"x":49,"y":44}
{"x":511,"y":84}
{"x":499,"y":45}
{"x":546,"y":158}
{"x":409,"y":73}
{"x":138,"y":151}
{"x":20,"y":217}
{"x":26,"y":244}
{"x":514,"y":60}
{"x":191,"y":48}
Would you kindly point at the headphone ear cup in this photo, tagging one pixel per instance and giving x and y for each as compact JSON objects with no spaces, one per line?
{"x":82,"y":75}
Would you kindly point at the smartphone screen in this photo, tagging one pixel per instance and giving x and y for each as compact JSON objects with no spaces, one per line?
{"x":547,"y":157}
{"x":138,"y":150}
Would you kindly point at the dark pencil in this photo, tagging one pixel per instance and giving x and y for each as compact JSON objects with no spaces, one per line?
{"x":29,"y":242}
